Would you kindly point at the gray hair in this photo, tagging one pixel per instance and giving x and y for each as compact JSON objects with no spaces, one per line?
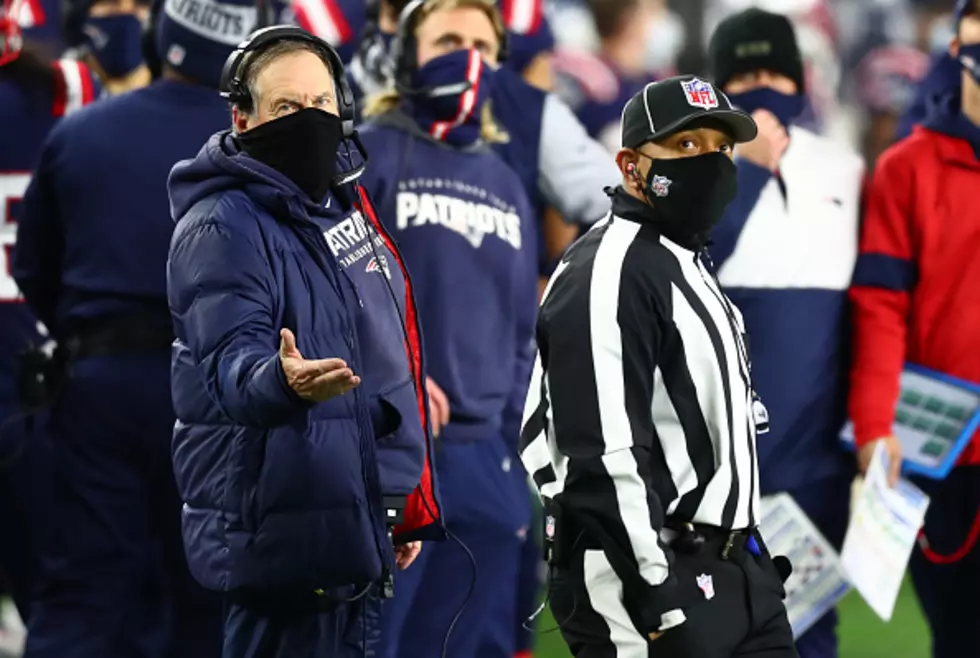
{"x":256,"y":62}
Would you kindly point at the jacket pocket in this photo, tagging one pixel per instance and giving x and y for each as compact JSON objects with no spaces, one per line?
{"x":391,"y":408}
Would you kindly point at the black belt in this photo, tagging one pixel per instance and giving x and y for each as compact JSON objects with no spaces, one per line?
{"x":122,"y":334}
{"x":691,"y":538}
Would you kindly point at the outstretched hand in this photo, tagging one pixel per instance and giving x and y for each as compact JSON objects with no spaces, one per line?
{"x":317,"y":380}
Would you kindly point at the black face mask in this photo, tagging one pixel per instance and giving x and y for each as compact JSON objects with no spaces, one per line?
{"x":689,"y":195}
{"x":301,"y":146}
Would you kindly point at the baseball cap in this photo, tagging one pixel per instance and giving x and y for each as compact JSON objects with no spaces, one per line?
{"x":665,"y":107}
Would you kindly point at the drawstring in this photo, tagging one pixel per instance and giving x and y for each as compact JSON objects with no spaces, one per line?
{"x":957,"y":555}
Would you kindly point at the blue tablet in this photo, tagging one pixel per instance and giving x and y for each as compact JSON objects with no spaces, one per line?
{"x":936,"y":416}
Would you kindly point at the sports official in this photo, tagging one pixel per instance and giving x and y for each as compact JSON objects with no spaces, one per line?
{"x":641,"y":420}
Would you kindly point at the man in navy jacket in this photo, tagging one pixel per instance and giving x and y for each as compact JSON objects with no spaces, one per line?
{"x":301,"y":419}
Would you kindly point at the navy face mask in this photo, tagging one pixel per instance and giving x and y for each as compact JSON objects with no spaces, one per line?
{"x":450,"y":92}
{"x":970,"y":60}
{"x":114,"y":42}
{"x":785,"y":107}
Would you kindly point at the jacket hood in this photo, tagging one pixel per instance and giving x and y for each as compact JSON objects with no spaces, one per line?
{"x":222,"y":166}
{"x":945,"y":116}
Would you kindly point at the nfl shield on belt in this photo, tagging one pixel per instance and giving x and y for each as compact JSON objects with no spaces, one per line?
{"x":700,"y":94}
{"x":707,"y":585}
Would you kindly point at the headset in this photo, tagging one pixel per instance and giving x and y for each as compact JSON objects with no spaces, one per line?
{"x":152,"y":57}
{"x":404,"y":51}
{"x":234,"y":90}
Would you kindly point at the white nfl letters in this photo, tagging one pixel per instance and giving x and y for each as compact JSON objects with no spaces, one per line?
{"x":700,"y":94}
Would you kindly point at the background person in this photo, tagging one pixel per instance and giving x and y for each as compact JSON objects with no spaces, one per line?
{"x":37,"y":92}
{"x":107,"y":34}
{"x":91,"y":260}
{"x":784,"y":252}
{"x":466,"y":228}
{"x":912,"y":302}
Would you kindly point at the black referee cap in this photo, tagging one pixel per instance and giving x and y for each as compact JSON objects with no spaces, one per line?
{"x":670,"y":105}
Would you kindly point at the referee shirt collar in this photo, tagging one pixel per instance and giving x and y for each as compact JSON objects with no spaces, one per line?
{"x":630,"y":208}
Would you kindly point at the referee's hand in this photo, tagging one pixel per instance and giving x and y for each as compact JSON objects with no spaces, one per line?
{"x":654,"y":636}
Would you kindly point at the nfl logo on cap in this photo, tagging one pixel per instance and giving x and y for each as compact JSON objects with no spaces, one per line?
{"x":700,"y":94}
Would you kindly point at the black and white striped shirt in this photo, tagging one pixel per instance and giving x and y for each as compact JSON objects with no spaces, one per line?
{"x":640,"y":405}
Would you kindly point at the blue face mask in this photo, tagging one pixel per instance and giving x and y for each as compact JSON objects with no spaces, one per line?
{"x":970,"y":60}
{"x":114,"y":42}
{"x":451,"y":91}
{"x":785,"y":107}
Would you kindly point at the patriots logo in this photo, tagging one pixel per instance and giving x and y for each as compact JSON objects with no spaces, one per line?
{"x":660,"y":185}
{"x":379,"y":264}
{"x":700,"y":94}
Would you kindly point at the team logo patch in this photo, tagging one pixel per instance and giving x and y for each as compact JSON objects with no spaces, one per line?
{"x":707,"y":585}
{"x":378,"y":264}
{"x":660,"y":185}
{"x":549,"y":528}
{"x":700,"y":94}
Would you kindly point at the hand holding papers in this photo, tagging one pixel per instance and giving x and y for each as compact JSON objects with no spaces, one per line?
{"x":881,"y":535}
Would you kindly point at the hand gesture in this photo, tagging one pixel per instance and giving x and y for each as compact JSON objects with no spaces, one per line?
{"x":438,"y":406}
{"x":894,"y":451}
{"x":318,"y":380}
{"x":769,"y":145}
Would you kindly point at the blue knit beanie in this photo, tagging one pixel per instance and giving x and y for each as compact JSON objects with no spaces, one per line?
{"x":195,"y":37}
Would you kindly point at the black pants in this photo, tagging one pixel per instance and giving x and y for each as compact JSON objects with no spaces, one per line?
{"x":743,"y":617}
{"x":947,"y":592}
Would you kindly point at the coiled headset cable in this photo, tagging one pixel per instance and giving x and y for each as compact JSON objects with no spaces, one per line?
{"x":404,"y":326}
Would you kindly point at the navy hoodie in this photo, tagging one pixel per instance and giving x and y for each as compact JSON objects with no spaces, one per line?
{"x":945,"y":116}
{"x":95,"y":228}
{"x":252,"y":254}
{"x":942,"y":81}
{"x":463,"y":221}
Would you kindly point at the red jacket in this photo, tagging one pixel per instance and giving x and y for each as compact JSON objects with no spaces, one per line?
{"x":916,"y":288}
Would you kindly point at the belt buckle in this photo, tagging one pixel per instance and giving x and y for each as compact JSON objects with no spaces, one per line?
{"x":729,"y":544}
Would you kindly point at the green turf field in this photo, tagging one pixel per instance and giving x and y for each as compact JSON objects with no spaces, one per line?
{"x":862,"y":634}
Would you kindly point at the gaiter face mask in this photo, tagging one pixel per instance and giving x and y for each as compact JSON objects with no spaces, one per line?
{"x":785,"y":107}
{"x":451,"y":92}
{"x":689,"y":195}
{"x":301,"y":146}
{"x":115,"y":43}
{"x":969,"y":59}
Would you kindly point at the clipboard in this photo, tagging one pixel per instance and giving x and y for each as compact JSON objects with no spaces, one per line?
{"x":935,"y":418}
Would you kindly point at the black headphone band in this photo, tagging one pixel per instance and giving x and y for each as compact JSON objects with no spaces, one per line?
{"x":404,"y":48}
{"x":233,"y":76}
